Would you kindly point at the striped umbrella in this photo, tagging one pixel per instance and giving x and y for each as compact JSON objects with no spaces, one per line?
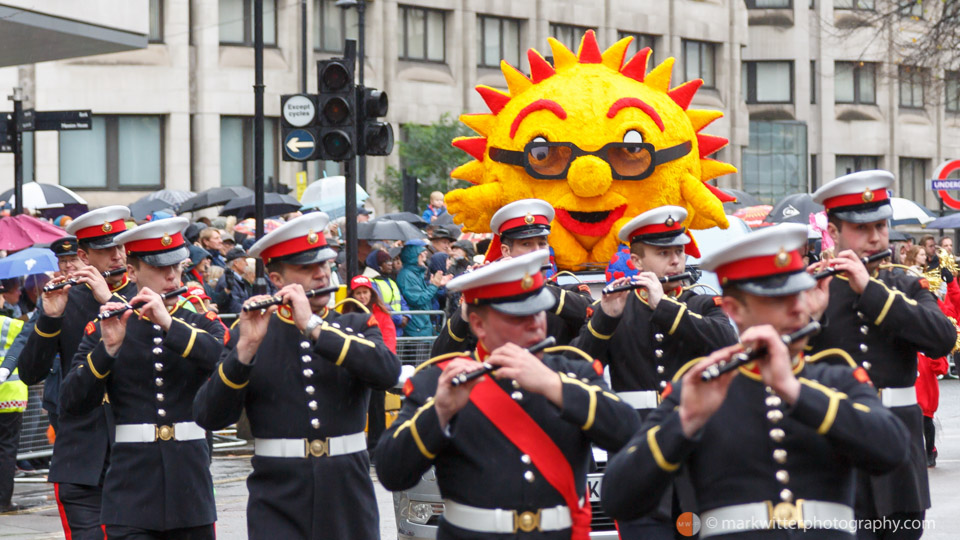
{"x":754,"y":216}
{"x":41,"y":196}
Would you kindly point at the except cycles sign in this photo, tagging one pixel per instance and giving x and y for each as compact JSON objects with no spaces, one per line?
{"x":941,"y":183}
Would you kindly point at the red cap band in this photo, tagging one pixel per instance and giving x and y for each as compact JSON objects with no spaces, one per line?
{"x":505,"y":290}
{"x":760,"y":267}
{"x":104,"y":229}
{"x":855,"y":199}
{"x":529,"y":219}
{"x":150,"y":245}
{"x":656,"y":228}
{"x":294,"y":245}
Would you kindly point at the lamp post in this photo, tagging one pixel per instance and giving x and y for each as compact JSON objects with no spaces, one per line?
{"x":361,"y":6}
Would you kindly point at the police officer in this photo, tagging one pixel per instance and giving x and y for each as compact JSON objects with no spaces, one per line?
{"x":511,"y":451}
{"x":770,"y":447}
{"x":881,"y":319}
{"x":303,"y":373}
{"x":647,"y":334}
{"x":81,"y":449}
{"x":523,"y":227}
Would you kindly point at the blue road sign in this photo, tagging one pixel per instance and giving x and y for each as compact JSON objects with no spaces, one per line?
{"x":299,"y":144}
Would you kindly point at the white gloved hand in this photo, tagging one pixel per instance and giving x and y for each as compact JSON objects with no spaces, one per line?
{"x":4,"y":373}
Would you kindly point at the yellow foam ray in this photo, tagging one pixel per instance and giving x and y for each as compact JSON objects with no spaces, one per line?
{"x":471,"y":171}
{"x":701,"y":118}
{"x":711,"y":168}
{"x":563,"y":57}
{"x":659,"y":77}
{"x":517,"y":82}
{"x":613,"y":57}
{"x":481,"y":123}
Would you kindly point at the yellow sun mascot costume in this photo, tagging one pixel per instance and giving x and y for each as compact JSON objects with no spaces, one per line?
{"x":599,"y":139}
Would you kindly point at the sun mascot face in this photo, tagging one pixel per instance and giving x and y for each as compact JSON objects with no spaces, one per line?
{"x":599,"y":139}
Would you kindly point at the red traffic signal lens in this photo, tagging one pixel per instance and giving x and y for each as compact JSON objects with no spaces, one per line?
{"x":336,"y":110}
{"x":335,"y":77}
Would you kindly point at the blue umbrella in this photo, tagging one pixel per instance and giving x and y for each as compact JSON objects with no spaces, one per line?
{"x":27,"y":262}
{"x":946,"y":222}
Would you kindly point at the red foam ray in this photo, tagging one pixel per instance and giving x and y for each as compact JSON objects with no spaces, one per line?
{"x":495,"y":100}
{"x":590,"y":49}
{"x":721,"y":194}
{"x":636,"y":68}
{"x":540,"y":69}
{"x":475,"y":146}
{"x":683,"y":94}
{"x":709,"y":144}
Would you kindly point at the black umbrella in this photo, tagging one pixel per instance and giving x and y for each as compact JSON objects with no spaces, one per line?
{"x":794,"y":208}
{"x":744,"y":200}
{"x":214,"y":197}
{"x":143,"y":207}
{"x":382,"y":229}
{"x":408,"y":217}
{"x":172,"y":196}
{"x":274,"y":204}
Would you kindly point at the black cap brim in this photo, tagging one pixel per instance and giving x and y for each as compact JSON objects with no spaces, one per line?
{"x":101,"y":242}
{"x":310,"y":256}
{"x":527,"y":231}
{"x":165,"y":258}
{"x":864,"y":215}
{"x":782,"y":285}
{"x":678,"y":240}
{"x":65,"y":253}
{"x":530,"y":305}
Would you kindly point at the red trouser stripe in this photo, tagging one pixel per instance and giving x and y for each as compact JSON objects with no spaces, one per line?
{"x":63,"y":513}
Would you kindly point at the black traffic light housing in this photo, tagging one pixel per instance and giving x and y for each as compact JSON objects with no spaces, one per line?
{"x":337,"y":104}
{"x":376,"y":138}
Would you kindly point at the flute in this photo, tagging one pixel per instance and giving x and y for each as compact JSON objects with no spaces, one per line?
{"x":751,"y":353}
{"x":464,"y":378}
{"x":665,"y":279}
{"x":878,"y":256}
{"x":73,"y":281}
{"x":128,"y":307}
{"x":277,"y":300}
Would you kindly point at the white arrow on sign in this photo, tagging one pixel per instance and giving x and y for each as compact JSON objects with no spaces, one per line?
{"x":295,"y":144}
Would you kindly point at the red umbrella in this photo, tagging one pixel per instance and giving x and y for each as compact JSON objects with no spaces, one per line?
{"x":22,"y":231}
{"x":754,"y":216}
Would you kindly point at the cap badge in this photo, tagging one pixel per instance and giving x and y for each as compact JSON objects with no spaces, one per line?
{"x":782,"y":259}
{"x":528,"y":219}
{"x":313,"y":238}
{"x":166,"y":240}
{"x":867,"y":195}
{"x":285,"y":312}
{"x":107,"y":227}
{"x":527,"y":282}
{"x":670,"y":221}
{"x":67,"y":245}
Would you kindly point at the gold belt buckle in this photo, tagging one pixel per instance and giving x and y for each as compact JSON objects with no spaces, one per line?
{"x":526,"y":521}
{"x":787,"y":515}
{"x":165,"y":433}
{"x":317,"y":447}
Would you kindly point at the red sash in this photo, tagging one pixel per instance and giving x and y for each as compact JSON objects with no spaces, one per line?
{"x":525,"y":434}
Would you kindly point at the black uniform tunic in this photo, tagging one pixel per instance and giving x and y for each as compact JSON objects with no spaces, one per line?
{"x":563,"y":322}
{"x":82,"y":447}
{"x":644,"y":347}
{"x":882,"y":330}
{"x":477,"y":465}
{"x":157,"y":485}
{"x":755,"y":446}
{"x":296,"y":389}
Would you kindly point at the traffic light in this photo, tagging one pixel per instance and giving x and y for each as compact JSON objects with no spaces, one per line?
{"x":376,"y":138}
{"x":337,"y":118}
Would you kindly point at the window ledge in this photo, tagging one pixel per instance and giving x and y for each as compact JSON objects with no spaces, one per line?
{"x":848,"y":112}
{"x":156,"y":54}
{"x":432,"y":72}
{"x":782,"y":17}
{"x":909,"y":115}
{"x":709,"y":97}
{"x":772,"y":111}
{"x":846,"y":19}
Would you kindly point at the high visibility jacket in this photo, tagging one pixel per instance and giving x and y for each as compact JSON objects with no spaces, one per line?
{"x":13,"y":393}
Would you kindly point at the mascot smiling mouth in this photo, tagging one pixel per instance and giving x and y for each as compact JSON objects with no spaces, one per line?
{"x":589,"y":223}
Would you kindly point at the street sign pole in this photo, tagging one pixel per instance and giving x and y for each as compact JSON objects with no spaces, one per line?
{"x":261,"y":283}
{"x":17,"y":99}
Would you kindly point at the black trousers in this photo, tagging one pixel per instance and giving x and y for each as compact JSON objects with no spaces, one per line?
{"x":120,"y":532}
{"x":79,"y":511}
{"x":929,"y":435}
{"x":376,"y":421}
{"x":900,"y":526}
{"x":10,"y":424}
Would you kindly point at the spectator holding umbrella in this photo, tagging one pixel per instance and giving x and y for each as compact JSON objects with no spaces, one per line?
{"x":413,"y":284}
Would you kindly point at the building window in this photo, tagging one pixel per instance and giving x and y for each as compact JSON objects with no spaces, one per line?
{"x":569,"y":34}
{"x":913,"y":181}
{"x":640,"y":41}
{"x":236,"y":22}
{"x":862,"y":5}
{"x":236,"y":151}
{"x":497,"y":38}
{"x":768,"y":81}
{"x":913,"y":9}
{"x":774,"y":163}
{"x":156,"y":22}
{"x":855,"y":82}
{"x":851,"y":164}
{"x":952,"y":88}
{"x":769,"y":4}
{"x":813,"y":82}
{"x":699,"y":62}
{"x":336,"y":25}
{"x":814,"y":176}
{"x":118,"y":152}
{"x":911,"y":87}
{"x":423,"y":34}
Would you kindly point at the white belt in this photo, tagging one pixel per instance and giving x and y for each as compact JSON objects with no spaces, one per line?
{"x":898,"y":397}
{"x":145,"y":433}
{"x":764,"y":515}
{"x":643,"y":399}
{"x":301,"y":448}
{"x":500,"y":521}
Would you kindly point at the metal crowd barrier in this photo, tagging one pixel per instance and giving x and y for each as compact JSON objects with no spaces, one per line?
{"x":33,"y":434}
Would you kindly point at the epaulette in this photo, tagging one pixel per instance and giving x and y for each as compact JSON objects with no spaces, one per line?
{"x":441,"y":358}
{"x":596,"y":364}
{"x":836,"y":352}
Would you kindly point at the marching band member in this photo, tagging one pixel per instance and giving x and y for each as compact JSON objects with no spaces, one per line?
{"x":304,"y":374}
{"x":881,"y":319}
{"x":772,"y":444}
{"x":151,"y":361}
{"x":511,"y":450}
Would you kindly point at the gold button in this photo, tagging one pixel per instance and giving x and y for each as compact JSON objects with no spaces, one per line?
{"x":780,"y":455}
{"x":777,"y":434}
{"x":783,"y":476}
{"x":775,"y":415}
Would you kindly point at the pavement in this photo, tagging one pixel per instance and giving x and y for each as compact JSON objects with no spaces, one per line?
{"x":41,"y":520}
